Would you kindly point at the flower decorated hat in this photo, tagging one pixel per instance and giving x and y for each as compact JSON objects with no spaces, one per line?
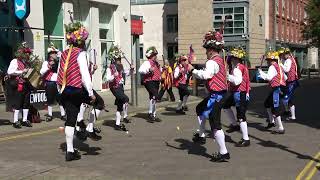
{"x":23,"y":52}
{"x":213,"y":39}
{"x":115,"y":53}
{"x":52,"y":49}
{"x":238,"y":53}
{"x":76,"y":33}
{"x":272,"y":55}
{"x":182,"y":57}
{"x":151,"y":51}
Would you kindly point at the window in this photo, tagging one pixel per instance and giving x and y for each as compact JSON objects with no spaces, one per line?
{"x":172,"y":50}
{"x":260,"y":21}
{"x":234,"y":17}
{"x":141,"y":51}
{"x":53,"y":24}
{"x":172,"y":23}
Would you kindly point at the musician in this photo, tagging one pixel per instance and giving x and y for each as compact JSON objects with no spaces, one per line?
{"x":74,"y":82}
{"x":18,"y":86}
{"x":277,"y":79}
{"x":48,"y":72}
{"x":290,"y":67}
{"x":216,"y":80}
{"x":166,"y":81}
{"x":181,"y":72}
{"x":115,"y":78}
{"x":238,"y":95}
{"x":151,"y":79}
{"x":82,"y":130}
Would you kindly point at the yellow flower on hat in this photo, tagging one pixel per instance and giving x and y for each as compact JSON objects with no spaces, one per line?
{"x":238,"y":53}
{"x":272,"y":55}
{"x":281,"y":50}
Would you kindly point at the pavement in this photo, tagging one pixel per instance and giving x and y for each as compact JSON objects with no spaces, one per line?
{"x":165,"y":150}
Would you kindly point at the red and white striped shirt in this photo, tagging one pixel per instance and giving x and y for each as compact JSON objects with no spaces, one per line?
{"x":244,"y":85}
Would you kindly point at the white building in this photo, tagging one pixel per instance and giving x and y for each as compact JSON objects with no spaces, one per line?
{"x":160,"y":28}
{"x":108,"y":22}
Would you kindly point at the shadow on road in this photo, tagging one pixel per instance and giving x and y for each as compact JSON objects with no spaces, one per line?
{"x":193,"y":148}
{"x":81,"y":146}
{"x":5,"y":122}
{"x":110,"y":123}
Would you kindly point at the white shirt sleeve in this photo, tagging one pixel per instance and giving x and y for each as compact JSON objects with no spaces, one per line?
{"x":145,"y":67}
{"x":176,"y":72}
{"x":13,"y":68}
{"x":44,"y":68}
{"x":85,"y":75}
{"x":236,"y":77}
{"x":272,"y":72}
{"x":210,"y":70}
{"x":287,"y":65}
{"x":109,"y":77}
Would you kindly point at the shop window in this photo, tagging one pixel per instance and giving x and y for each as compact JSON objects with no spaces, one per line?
{"x":172,"y":23}
{"x":172,"y":50}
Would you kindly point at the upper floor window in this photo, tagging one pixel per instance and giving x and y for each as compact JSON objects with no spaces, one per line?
{"x":172,"y":23}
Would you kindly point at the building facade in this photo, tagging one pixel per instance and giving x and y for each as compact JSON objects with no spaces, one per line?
{"x":160,"y":25}
{"x":108,"y":21}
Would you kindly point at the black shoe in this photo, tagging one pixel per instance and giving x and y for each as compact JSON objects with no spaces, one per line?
{"x":185,"y":108}
{"x":126,"y":120}
{"x":49,"y":118}
{"x":97,"y":130}
{"x":270,"y":125}
{"x":156,"y":119}
{"x":233,"y":128}
{"x":27,"y":123}
{"x":82,"y":134}
{"x":278,"y":131}
{"x":93,"y":136}
{"x":63,"y":118}
{"x":197,"y":139}
{"x":81,"y":124}
{"x":243,"y":143}
{"x":70,"y":156}
{"x":17,"y":125}
{"x":121,"y":127}
{"x":151,"y":118}
{"x":180,"y":111}
{"x":217,"y":157}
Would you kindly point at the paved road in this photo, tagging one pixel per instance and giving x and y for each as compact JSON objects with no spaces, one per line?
{"x":163,"y":151}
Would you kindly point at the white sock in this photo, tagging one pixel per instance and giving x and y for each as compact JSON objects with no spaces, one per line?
{"x":25,"y":115}
{"x":154,"y":107}
{"x":81,"y":112}
{"x":125,"y":110}
{"x":69,"y":131}
{"x":184,"y":102}
{"x":231,"y":116}
{"x":271,"y":118}
{"x":15,"y":116}
{"x":244,"y":130}
{"x":293,"y":112}
{"x":150,"y":106}
{"x":92,"y":120}
{"x":118,"y":118}
{"x":219,"y":136}
{"x":50,"y":110}
{"x":202,"y":123}
{"x":279,"y":123}
{"x":62,"y":111}
{"x":179,"y":105}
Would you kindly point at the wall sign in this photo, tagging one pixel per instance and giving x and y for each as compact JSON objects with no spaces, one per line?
{"x":22,"y":8}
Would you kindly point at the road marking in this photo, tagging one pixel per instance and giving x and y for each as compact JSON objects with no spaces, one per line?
{"x":307,"y":167}
{"x":312,"y":172}
{"x":14,"y":137}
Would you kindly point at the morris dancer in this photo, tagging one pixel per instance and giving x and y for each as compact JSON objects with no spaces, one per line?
{"x":116,"y":80}
{"x":239,"y":95}
{"x":290,"y":67}
{"x":276,"y":78}
{"x":166,"y":81}
{"x":181,"y":82}
{"x":18,"y":86}
{"x":152,"y":76}
{"x":48,"y":72}
{"x":74,"y":82}
{"x":215,"y":75}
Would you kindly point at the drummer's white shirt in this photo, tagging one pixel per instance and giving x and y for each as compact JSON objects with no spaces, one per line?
{"x":13,"y":68}
{"x":44,"y":69}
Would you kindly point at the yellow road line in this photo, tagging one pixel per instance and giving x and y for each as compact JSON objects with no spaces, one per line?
{"x":57,"y":129}
{"x":312,"y":172}
{"x":307,"y":167}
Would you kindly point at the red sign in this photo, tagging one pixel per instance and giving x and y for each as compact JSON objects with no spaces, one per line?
{"x":136,"y":27}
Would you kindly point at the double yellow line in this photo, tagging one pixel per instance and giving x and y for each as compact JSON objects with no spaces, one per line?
{"x":307,"y":168}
